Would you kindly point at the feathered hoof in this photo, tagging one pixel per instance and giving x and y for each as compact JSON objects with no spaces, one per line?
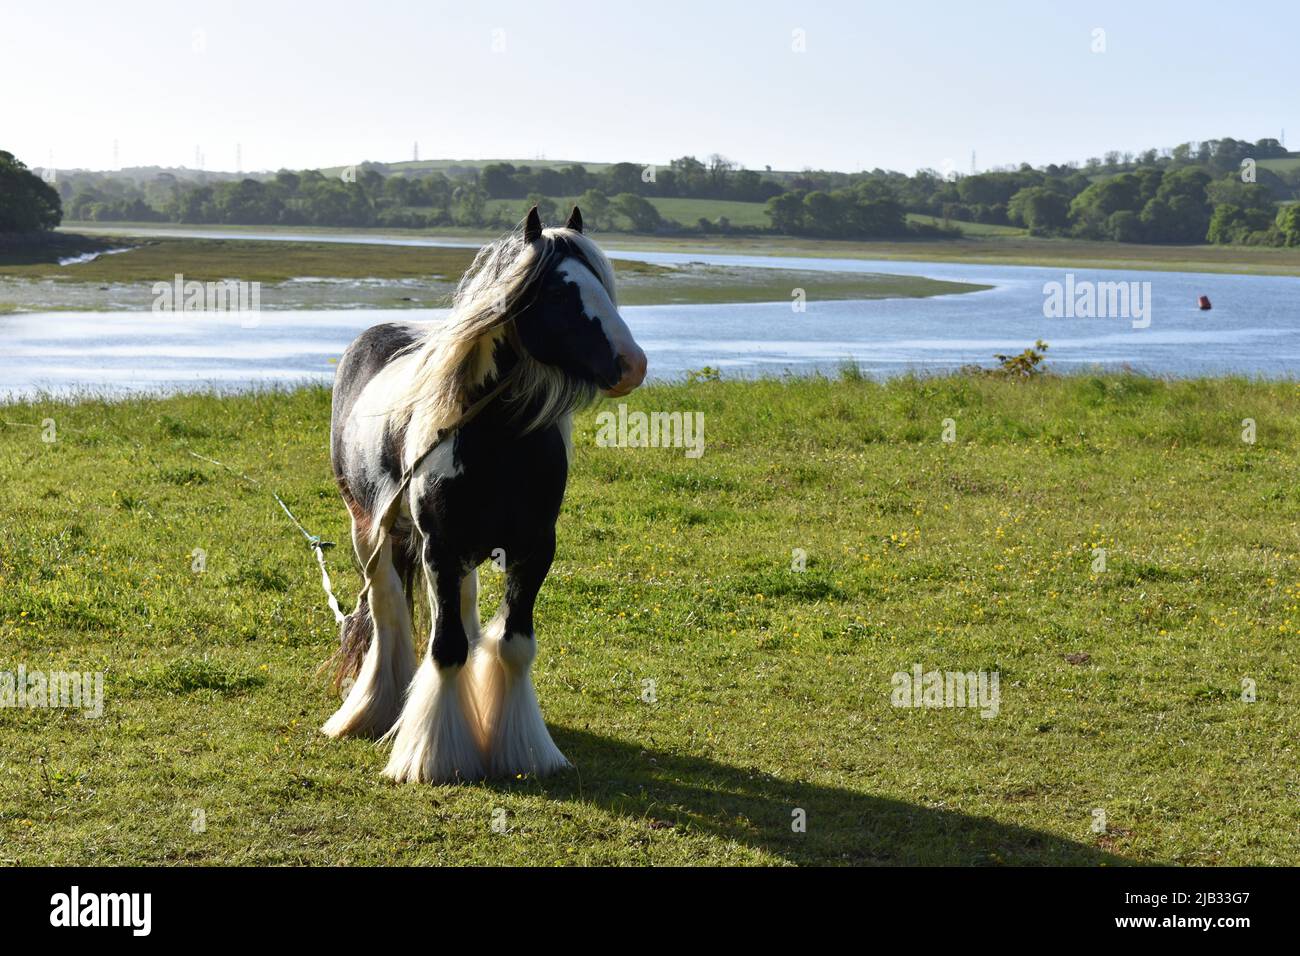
{"x":525,"y":751}
{"x":513,"y":732}
{"x":374,"y":700}
{"x":364,"y":713}
{"x":434,"y":738}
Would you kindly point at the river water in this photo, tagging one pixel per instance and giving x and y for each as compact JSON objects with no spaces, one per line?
{"x":1253,"y":329}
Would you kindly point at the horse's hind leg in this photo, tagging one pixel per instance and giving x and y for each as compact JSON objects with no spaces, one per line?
{"x":375,"y":698}
{"x":515,"y":736}
{"x":435,"y":740}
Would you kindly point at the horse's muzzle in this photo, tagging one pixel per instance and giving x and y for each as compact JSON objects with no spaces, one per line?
{"x":632,"y":364}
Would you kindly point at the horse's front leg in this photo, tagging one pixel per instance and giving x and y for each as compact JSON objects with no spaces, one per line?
{"x":435,"y":739}
{"x":515,"y":736}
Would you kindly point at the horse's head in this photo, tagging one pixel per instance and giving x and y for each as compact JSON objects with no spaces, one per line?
{"x":570,"y":320}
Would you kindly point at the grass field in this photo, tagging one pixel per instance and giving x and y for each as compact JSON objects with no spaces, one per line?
{"x":1121,"y":689}
{"x":981,"y":229}
{"x":1281,"y":165}
{"x":131,"y":275}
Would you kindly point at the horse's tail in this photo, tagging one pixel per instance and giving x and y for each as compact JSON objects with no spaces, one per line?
{"x":355,"y":634}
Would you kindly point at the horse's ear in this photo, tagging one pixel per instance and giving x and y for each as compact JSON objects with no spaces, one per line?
{"x":532,"y":226}
{"x":575,"y":220}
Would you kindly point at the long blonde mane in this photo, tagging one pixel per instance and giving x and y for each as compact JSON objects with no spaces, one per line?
{"x":453,"y":359}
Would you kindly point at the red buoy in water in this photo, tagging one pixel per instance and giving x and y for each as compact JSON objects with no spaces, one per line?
{"x":1204,"y":303}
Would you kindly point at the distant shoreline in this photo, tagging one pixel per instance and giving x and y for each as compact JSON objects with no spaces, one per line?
{"x":1019,"y":250}
{"x":332,"y":272}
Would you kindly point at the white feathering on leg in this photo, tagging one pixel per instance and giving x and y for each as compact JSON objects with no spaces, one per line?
{"x":373,"y":701}
{"x":375,"y":698}
{"x":434,"y":739}
{"x":513,"y":732}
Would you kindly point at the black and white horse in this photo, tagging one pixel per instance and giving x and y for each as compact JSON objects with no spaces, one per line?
{"x":537,"y":306}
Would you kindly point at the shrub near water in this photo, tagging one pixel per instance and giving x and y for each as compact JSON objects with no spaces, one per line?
{"x":1122,"y":689}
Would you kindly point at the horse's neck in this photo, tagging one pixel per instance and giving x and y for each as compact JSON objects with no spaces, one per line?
{"x":501,"y":359}
{"x":494,"y":356}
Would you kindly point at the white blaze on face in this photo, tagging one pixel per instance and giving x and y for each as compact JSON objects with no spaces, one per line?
{"x":596,"y":304}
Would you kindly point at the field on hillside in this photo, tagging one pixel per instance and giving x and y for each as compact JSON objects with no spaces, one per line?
{"x":1284,"y":164}
{"x":981,"y":229}
{"x":708,"y":691}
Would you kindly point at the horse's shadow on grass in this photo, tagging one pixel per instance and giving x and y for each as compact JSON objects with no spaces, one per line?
{"x":758,"y":810}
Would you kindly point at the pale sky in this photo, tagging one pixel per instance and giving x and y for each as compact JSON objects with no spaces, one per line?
{"x":889,"y":84}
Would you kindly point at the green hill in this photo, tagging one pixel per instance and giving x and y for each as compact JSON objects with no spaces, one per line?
{"x":1281,"y":164}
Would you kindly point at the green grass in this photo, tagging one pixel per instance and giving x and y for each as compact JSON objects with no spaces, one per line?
{"x":1120,"y":690}
{"x":981,"y":229}
{"x":250,"y":260}
{"x":689,"y":211}
{"x":274,"y":261}
{"x":1283,"y":164}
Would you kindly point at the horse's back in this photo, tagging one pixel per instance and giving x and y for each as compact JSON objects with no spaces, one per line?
{"x":369,"y":354}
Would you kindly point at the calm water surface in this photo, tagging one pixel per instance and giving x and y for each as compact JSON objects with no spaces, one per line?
{"x":1254,"y":329}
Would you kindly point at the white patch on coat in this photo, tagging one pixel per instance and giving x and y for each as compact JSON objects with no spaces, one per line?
{"x":363,"y":432}
{"x":440,"y":465}
{"x":485,"y":362}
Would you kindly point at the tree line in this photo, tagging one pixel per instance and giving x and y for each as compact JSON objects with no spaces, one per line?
{"x":1195,"y":192}
{"x":1212,"y":191}
{"x":360,"y":197}
{"x":685,"y":177}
